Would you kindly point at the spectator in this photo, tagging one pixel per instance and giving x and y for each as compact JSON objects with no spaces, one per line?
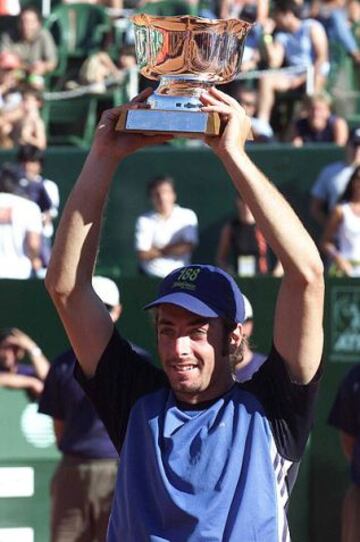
{"x":14,"y":346}
{"x":335,"y":17}
{"x":255,"y":12}
{"x":299,"y":44}
{"x":242,"y":248}
{"x":28,"y":127}
{"x":40,"y":190}
{"x":317,"y":123}
{"x":249,"y":99}
{"x":344,"y":416}
{"x":10,"y":96}
{"x":333,"y":179}
{"x":341,"y":238}
{"x":20,"y":230}
{"x":251,"y":361}
{"x":81,"y":509}
{"x":100,"y":69}
{"x":250,"y":10}
{"x":166,"y":236}
{"x":34,"y":46}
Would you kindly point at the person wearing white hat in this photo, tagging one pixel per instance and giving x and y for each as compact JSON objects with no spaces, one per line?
{"x":83,"y":483}
{"x":251,"y":361}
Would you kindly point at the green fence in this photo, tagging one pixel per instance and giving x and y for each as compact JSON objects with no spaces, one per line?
{"x":27,"y":441}
{"x":202,"y":184}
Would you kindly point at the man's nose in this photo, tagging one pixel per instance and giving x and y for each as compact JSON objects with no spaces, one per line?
{"x":182,"y":346}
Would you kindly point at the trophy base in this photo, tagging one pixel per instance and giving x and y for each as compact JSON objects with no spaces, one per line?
{"x":159,"y":121}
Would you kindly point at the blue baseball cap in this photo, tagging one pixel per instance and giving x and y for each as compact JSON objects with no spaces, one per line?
{"x":202,"y":289}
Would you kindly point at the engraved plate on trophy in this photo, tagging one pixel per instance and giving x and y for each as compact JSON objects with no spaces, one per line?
{"x":188,"y":55}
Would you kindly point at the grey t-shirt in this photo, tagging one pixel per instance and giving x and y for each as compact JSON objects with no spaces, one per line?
{"x":42,"y":48}
{"x":332,"y":182}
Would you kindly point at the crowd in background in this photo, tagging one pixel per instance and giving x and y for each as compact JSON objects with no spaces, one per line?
{"x":290,"y":58}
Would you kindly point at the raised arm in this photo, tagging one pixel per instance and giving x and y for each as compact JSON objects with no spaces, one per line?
{"x":298,"y":332}
{"x":68,"y":279}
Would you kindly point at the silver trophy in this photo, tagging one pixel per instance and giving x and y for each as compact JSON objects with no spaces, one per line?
{"x":188,"y":54}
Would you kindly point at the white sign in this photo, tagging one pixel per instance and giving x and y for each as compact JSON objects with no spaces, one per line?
{"x":37,"y":428}
{"x":16,"y":482}
{"x":15,"y":534}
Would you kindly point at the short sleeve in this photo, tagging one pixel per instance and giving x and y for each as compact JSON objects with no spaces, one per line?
{"x":190,"y":232}
{"x":121,"y":378}
{"x":32,"y":217}
{"x":50,"y":51}
{"x":143,"y":234}
{"x":288,"y":406}
{"x":281,"y":38}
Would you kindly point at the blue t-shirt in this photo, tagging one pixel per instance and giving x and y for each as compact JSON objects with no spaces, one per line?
{"x":218,"y":471}
{"x":345,"y":415}
{"x":23,"y":369}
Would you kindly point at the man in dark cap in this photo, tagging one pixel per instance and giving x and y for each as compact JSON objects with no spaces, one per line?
{"x":199,"y":452}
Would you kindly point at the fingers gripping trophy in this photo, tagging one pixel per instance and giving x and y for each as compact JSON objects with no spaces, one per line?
{"x":188,"y":55}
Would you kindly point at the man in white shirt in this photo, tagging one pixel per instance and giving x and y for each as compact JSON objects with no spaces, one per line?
{"x":166,"y":236}
{"x":20,"y":230}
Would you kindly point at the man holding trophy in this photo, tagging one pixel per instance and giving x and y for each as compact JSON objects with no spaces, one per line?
{"x":202,"y":458}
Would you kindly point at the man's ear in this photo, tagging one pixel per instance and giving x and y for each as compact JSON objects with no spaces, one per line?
{"x":115,"y":312}
{"x":236,"y":335}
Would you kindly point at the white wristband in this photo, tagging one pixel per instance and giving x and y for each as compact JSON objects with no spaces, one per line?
{"x":36,"y":351}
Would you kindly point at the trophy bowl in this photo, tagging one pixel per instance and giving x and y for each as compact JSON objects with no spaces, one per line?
{"x":187,"y":54}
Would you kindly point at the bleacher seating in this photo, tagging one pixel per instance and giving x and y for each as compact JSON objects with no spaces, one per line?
{"x":70,"y":121}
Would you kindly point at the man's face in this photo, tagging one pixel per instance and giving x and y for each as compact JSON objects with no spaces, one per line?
{"x":283,"y":20}
{"x":9,"y":355}
{"x":192,"y":353}
{"x":163,"y":198}
{"x":319,"y":113}
{"x":32,"y":168}
{"x":29,"y":25}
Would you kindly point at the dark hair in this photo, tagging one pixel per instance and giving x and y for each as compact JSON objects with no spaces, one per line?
{"x":32,"y":9}
{"x":285,"y":6}
{"x":9,"y":181}
{"x":349,"y":190}
{"x":30,"y":153}
{"x":6,"y":332}
{"x":159,"y":180}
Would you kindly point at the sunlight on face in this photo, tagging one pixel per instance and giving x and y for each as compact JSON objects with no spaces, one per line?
{"x":191,"y":352}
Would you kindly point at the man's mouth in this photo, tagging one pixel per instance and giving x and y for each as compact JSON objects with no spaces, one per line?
{"x":183,"y":368}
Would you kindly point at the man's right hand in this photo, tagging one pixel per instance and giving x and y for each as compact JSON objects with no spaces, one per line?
{"x":116,"y":145}
{"x":236,"y":125}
